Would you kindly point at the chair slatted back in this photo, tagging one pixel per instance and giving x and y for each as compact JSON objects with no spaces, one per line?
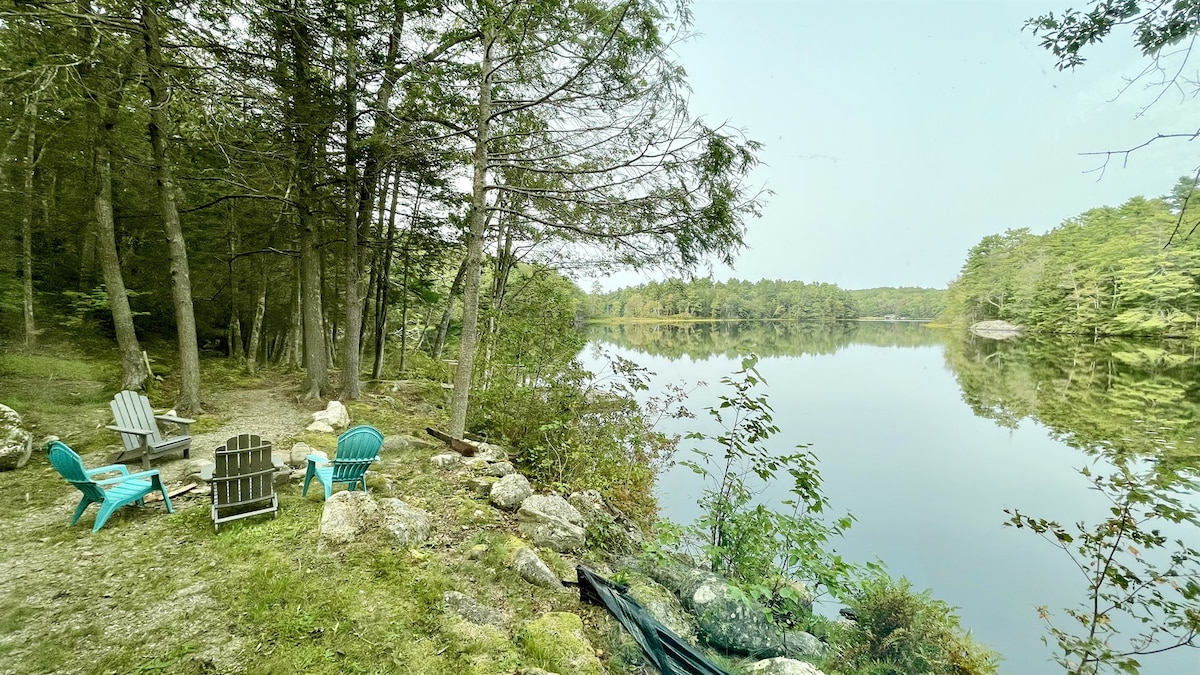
{"x":356,"y":449}
{"x":131,"y":409}
{"x":70,"y":466}
{"x":244,"y":472}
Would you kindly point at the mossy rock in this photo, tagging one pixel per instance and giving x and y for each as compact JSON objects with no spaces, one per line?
{"x":555,"y":642}
{"x":483,"y":649}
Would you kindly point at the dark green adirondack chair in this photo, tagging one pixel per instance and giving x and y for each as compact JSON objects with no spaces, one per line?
{"x":356,"y":449}
{"x":124,"y":489}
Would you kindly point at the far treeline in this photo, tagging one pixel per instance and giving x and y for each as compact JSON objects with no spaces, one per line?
{"x":1129,"y":270}
{"x":764,"y":299}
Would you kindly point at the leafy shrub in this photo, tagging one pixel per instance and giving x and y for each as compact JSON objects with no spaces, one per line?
{"x":899,"y":632}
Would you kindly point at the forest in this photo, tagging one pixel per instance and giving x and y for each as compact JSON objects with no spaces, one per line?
{"x":310,"y":183}
{"x":1128,"y":270}
{"x":703,"y":298}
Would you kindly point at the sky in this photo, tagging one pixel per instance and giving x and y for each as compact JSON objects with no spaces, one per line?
{"x":898,"y":134}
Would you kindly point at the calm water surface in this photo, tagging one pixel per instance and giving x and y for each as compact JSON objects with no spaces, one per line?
{"x":927,"y":439}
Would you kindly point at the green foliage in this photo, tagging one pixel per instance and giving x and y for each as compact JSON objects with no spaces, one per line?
{"x":1143,"y":587}
{"x":898,"y":631}
{"x":706,"y":299}
{"x":1155,"y":25}
{"x":759,"y":549}
{"x":1109,"y":271}
{"x":899,"y":303}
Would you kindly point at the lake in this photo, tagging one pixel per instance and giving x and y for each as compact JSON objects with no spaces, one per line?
{"x":926,"y":437}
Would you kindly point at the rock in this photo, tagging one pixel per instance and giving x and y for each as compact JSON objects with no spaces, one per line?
{"x":551,"y":522}
{"x":481,"y":485}
{"x":445,"y":460}
{"x":199,"y":471}
{"x":45,"y":443}
{"x":281,"y":477}
{"x":556,"y":640}
{"x":406,"y":442}
{"x":334,"y":414}
{"x":662,"y":604}
{"x":296,"y":456}
{"x":320,"y":426}
{"x":408,"y":524}
{"x":492,"y":453}
{"x":478,"y":648}
{"x":345,"y":516}
{"x":729,"y":621}
{"x":475,"y":463}
{"x":996,"y":330}
{"x":469,"y":608}
{"x":532,"y":569}
{"x":800,"y":643}
{"x":606,"y":527}
{"x":510,"y":491}
{"x":499,"y":469}
{"x":16,"y":443}
{"x":781,"y":666}
{"x":320,"y":453}
{"x":350,"y":514}
{"x":477,"y":551}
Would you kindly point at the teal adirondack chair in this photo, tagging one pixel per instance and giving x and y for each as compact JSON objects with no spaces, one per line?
{"x":124,"y":489}
{"x":356,"y":449}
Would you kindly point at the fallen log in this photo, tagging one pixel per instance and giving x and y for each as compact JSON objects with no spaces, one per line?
{"x":462,"y":447}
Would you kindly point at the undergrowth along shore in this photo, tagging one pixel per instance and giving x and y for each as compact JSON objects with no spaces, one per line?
{"x":153,"y":592}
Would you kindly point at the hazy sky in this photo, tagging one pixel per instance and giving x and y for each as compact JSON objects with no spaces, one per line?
{"x":898,"y":134}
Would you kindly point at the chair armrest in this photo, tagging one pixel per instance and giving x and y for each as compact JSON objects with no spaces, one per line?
{"x":121,"y":479}
{"x":129,"y":430}
{"x":105,"y":469}
{"x":172,"y":418}
{"x":317,"y":459}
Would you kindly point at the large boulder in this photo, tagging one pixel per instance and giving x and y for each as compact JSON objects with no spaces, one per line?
{"x":727,"y":619}
{"x":510,"y":491}
{"x":551,"y":522}
{"x":556,"y":640}
{"x":662,"y":604}
{"x":781,"y":666}
{"x":16,"y":443}
{"x":334,"y":415}
{"x":534,"y":570}
{"x":996,"y":330}
{"x":350,"y":515}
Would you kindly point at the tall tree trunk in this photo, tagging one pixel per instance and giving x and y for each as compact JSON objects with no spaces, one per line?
{"x":351,"y":388}
{"x":404,"y":294}
{"x":181,"y":283}
{"x":236,"y":347}
{"x":260,"y":310}
{"x":444,"y":325}
{"x":385,"y":283}
{"x":133,"y":366}
{"x":27,"y":229}
{"x":475,"y":235}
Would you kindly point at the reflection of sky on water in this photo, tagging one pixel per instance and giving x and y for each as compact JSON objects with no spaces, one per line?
{"x":926,"y":479}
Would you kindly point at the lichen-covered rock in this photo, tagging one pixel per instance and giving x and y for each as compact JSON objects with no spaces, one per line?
{"x":781,"y":666}
{"x":662,"y":604}
{"x":492,"y":453}
{"x":408,"y":524}
{"x":728,"y":620}
{"x":480,"y":649}
{"x":470,"y":609}
{"x":606,"y":527}
{"x":406,"y":442}
{"x":349,"y":515}
{"x":345,"y":516}
{"x":481,"y":485}
{"x":16,"y":443}
{"x":498,"y":469}
{"x":445,"y":460}
{"x":551,"y":522}
{"x":510,"y":491}
{"x":534,"y":570}
{"x":320,"y":426}
{"x":556,"y":641}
